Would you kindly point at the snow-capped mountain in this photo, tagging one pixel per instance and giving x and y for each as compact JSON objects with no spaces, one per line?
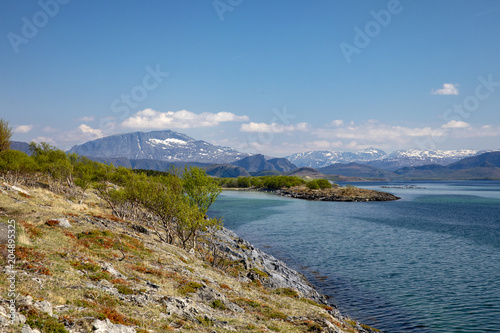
{"x":158,"y":145}
{"x":417,"y":157}
{"x":322,"y":158}
{"x":380,"y":159}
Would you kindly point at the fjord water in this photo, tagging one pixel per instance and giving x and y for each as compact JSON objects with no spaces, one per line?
{"x":429,"y":262}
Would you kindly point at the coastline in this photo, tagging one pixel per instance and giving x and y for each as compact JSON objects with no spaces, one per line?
{"x":107,"y":286}
{"x":279,"y":275}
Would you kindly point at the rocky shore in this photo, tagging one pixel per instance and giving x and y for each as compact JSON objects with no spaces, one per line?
{"x":80,"y":269}
{"x":346,"y":194}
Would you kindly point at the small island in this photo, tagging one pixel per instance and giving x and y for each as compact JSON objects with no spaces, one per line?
{"x":308,"y":189}
{"x":346,"y":194}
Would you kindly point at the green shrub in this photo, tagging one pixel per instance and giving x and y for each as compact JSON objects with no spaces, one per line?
{"x":287,"y":292}
{"x":313,"y":184}
{"x":244,"y":182}
{"x":124,"y":289}
{"x":190,"y":287}
{"x":218,"y":304}
{"x":324,"y":183}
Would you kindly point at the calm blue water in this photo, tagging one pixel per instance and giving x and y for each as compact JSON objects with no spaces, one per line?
{"x":427,"y":263}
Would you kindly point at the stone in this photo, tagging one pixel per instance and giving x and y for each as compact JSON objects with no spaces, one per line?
{"x":64,"y":223}
{"x":24,"y":301}
{"x":106,"y":266}
{"x":28,"y":329}
{"x":105,"y":326}
{"x":44,"y":306}
{"x":184,"y":307}
{"x":19,"y":318}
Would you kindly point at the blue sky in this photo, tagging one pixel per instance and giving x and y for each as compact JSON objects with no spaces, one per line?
{"x":264,"y":77}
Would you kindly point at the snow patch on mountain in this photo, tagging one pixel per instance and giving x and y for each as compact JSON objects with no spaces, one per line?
{"x":167,"y":142}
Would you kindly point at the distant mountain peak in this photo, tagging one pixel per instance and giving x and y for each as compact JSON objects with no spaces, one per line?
{"x":163,"y":145}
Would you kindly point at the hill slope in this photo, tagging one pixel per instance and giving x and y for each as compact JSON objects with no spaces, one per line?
{"x":81,"y":269}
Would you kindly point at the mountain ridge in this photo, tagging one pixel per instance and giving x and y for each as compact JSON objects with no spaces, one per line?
{"x":163,"y":145}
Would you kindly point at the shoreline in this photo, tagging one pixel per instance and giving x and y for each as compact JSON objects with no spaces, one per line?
{"x":279,"y":275}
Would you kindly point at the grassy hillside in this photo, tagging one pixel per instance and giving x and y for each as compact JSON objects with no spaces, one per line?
{"x":97,"y":257}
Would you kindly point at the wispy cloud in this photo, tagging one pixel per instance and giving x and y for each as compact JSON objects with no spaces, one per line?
{"x":336,"y":123}
{"x":23,"y":128}
{"x":448,"y":89}
{"x":456,"y":124}
{"x":273,"y":127}
{"x":90,"y":118}
{"x":150,"y":118}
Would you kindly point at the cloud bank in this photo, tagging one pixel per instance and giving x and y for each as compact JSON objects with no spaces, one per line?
{"x":150,"y":118}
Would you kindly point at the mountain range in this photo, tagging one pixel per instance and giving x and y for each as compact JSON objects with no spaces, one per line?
{"x":380,"y":159}
{"x":158,"y":150}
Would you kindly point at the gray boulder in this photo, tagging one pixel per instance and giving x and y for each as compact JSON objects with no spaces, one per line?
{"x":105,"y":326}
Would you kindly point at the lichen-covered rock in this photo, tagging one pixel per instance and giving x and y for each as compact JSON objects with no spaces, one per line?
{"x":105,"y":326}
{"x":28,"y":329}
{"x":184,"y":307}
{"x":44,"y":306}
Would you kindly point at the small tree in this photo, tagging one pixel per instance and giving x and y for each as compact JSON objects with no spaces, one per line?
{"x":5,"y":135}
{"x":15,"y":163}
{"x":201,"y":189}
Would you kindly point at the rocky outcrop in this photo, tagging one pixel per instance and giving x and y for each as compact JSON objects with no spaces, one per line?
{"x":337,"y":194}
{"x":277,"y":273}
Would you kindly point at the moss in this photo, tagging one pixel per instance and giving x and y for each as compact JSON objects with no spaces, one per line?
{"x":102,"y":275}
{"x":369,"y":328}
{"x":218,"y":304}
{"x":189,"y":287}
{"x":124,"y":289}
{"x":260,"y":273}
{"x":43,"y":322}
{"x":287,"y":292}
{"x":205,"y":321}
{"x":87,"y":266}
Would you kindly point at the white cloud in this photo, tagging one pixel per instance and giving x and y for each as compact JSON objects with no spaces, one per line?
{"x":273,"y":127}
{"x":456,"y":124}
{"x":23,"y":128}
{"x":87,"y":119}
{"x":448,"y":89}
{"x":96,"y":133}
{"x":45,"y":139}
{"x":336,"y":123}
{"x":150,"y":118}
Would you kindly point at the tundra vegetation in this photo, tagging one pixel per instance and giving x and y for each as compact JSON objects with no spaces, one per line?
{"x":98,"y":245}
